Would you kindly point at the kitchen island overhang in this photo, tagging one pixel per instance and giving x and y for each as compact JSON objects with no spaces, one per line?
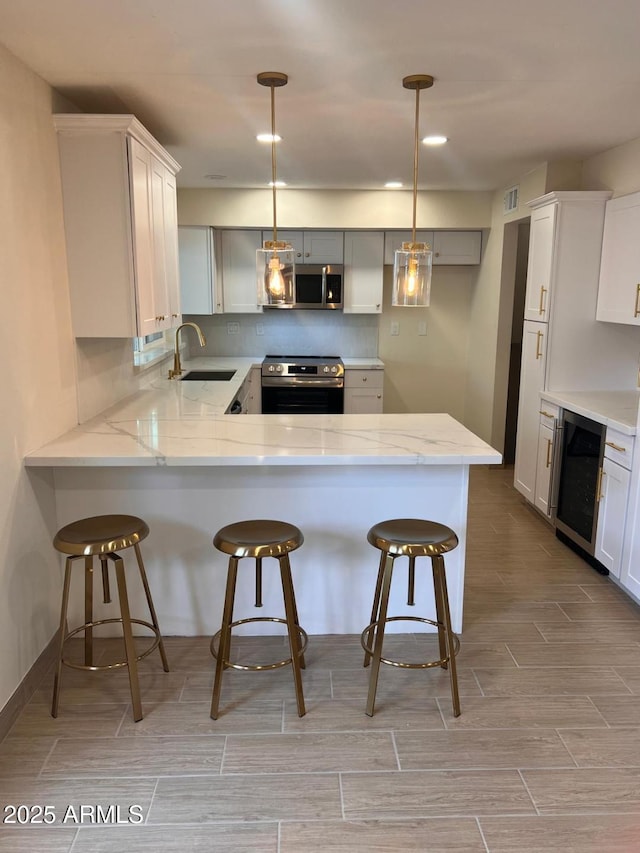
{"x":188,"y":471}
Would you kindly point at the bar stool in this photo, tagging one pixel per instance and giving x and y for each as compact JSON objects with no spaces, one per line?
{"x":103,"y":536}
{"x":410,"y":537}
{"x":259,"y":539}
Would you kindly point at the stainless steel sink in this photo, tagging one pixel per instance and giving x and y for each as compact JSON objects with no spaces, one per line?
{"x":208,"y":375}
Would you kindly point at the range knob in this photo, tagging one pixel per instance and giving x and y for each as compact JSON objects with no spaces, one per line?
{"x":279,"y":368}
{"x":271,"y":368}
{"x":334,"y":369}
{"x":325,"y":369}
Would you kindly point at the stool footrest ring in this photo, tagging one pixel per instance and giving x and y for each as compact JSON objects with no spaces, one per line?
{"x":258,"y":667}
{"x":404,"y":664}
{"x":95,"y":668}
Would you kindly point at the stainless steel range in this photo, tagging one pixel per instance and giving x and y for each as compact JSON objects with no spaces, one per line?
{"x":302,"y":385}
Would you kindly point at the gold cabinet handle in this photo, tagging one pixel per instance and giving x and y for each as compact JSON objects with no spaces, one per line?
{"x":543,"y":290}
{"x":549,"y":446}
{"x":364,"y":378}
{"x":546,"y":414}
{"x":379,"y":396}
{"x":617,"y":447}
{"x":599,"y":485}
{"x":637,"y":308}
{"x":538,"y":350}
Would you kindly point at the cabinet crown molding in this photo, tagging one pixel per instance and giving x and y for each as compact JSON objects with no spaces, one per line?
{"x":87,"y":123}
{"x":570,"y":195}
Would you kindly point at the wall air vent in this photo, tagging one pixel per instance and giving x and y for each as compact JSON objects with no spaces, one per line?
{"x":511,"y":200}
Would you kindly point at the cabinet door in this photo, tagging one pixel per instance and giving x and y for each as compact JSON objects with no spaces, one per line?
{"x":543,"y":469}
{"x":540,"y":264}
{"x":363,"y":272}
{"x":456,"y":247}
{"x":393,"y":241}
{"x":140,"y":182}
{"x":294,"y":238}
{"x":534,"y":346}
{"x":197,"y":269}
{"x":170,"y":204}
{"x":363,"y":391}
{"x":159,"y":240}
{"x":323,"y":247}
{"x":619,"y":284}
{"x":612,"y":511}
{"x":239,"y":276}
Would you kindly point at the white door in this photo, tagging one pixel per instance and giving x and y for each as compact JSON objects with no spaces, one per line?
{"x":239,"y":274}
{"x":142,"y":228}
{"x":393,"y":241}
{"x":363,"y":272}
{"x":532,"y":372}
{"x":196,"y":269}
{"x":619,"y":285}
{"x":456,"y":247}
{"x":172,"y":274}
{"x":323,"y":247}
{"x":543,"y":469}
{"x":539,"y":268}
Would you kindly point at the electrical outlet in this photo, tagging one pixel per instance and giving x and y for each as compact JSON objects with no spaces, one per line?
{"x":259,"y":328}
{"x":422,"y":327}
{"x":233,"y":328}
{"x":395,"y":328}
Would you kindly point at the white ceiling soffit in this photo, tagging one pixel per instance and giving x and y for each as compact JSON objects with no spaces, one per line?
{"x":517,"y":83}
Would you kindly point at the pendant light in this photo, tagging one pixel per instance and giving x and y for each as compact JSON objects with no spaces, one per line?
{"x":412,"y":263}
{"x":275,"y":264}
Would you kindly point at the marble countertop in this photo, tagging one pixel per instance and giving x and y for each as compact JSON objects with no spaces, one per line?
{"x":617,"y":409}
{"x":174,"y":423}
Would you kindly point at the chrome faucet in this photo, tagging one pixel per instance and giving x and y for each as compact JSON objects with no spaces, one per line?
{"x":177,"y":366}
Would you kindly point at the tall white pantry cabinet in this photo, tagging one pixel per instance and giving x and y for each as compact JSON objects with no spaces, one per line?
{"x":560,"y":340}
{"x":121,"y":226}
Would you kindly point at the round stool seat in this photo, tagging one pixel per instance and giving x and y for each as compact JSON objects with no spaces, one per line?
{"x":258,"y":538}
{"x":412,"y":537}
{"x":100,"y":534}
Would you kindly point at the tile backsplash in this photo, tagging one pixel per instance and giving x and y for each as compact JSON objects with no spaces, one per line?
{"x":284,"y":332}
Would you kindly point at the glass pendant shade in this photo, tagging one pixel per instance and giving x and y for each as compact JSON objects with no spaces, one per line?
{"x":275,"y":267}
{"x":412,"y":275}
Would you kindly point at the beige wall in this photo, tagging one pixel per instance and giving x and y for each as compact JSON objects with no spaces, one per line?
{"x":617,"y":169}
{"x":39,"y":394}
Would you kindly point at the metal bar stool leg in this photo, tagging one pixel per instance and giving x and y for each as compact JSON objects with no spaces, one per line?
{"x":129,"y":644}
{"x":295,"y":615}
{"x":106,"y":591}
{"x":225,"y":635}
{"x":152,"y":610}
{"x":292,"y":629}
{"x":375,"y":607}
{"x":258,"y":581}
{"x":437,"y":594}
{"x":88,"y":611}
{"x":379,"y":632}
{"x":438,"y":564}
{"x":411,"y":595}
{"x":63,"y":623}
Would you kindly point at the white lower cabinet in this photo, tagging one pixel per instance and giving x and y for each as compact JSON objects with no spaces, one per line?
{"x":363,"y":391}
{"x":549,"y":414}
{"x":612,"y":510}
{"x":363,"y":272}
{"x":532,"y":373}
{"x":253,"y":398}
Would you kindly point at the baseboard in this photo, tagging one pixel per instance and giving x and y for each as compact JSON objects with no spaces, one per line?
{"x":27,"y":687}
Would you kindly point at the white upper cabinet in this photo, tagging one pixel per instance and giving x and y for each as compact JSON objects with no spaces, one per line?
{"x":363,"y":272}
{"x":448,"y":247}
{"x":198,"y":279}
{"x":313,"y":247}
{"x":239,"y":271}
{"x":393,"y":241}
{"x":539,"y":269}
{"x":120,"y":215}
{"x":456,"y":247}
{"x":619,"y":286}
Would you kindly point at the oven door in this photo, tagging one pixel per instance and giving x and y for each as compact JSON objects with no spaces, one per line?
{"x":308,"y":399}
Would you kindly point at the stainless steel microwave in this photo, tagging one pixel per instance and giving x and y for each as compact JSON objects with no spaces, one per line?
{"x":317,"y":286}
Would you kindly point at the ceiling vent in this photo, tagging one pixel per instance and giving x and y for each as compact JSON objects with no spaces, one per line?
{"x":511,"y":200}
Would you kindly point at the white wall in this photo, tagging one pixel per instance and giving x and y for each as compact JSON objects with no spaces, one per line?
{"x":38,"y":376}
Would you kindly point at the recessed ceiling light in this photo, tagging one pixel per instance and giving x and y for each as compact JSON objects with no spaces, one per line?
{"x":215,"y":177}
{"x":435,"y":140}
{"x":267,"y":137}
{"x":277,"y":184}
{"x":393,"y":185}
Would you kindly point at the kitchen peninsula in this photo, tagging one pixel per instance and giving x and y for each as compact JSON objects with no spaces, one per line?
{"x":172,"y":455}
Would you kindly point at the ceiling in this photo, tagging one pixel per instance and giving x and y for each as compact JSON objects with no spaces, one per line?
{"x":517,"y":83}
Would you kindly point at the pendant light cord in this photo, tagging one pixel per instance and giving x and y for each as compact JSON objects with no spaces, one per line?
{"x":415,"y":165}
{"x":273,"y":165}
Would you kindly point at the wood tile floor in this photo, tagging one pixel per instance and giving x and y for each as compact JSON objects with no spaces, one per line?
{"x":545,"y":757}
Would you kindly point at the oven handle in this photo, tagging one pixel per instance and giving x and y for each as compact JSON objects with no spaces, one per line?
{"x":324,"y":285}
{"x":302,"y":382}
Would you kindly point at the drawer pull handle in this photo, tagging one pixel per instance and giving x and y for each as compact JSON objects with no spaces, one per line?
{"x":637,"y":309}
{"x":538,"y":350}
{"x":617,"y":447}
{"x":546,"y":414}
{"x":549,"y":446}
{"x":543,"y":290}
{"x":599,"y":485}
